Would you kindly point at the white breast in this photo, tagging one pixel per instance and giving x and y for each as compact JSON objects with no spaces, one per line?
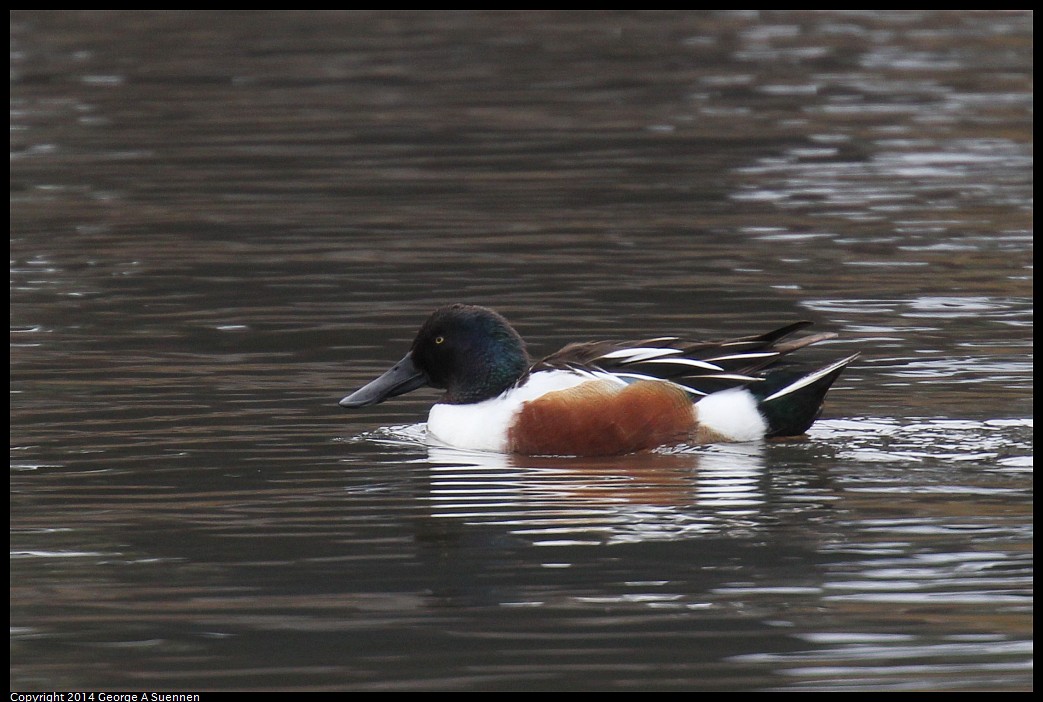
{"x":483,"y":426}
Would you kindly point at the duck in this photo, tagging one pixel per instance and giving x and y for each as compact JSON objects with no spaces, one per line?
{"x":602,"y":398}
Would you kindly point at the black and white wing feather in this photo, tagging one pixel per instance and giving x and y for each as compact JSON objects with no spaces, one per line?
{"x":700,"y":367}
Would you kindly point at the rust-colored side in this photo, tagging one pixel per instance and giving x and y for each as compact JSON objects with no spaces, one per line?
{"x":599,"y":418}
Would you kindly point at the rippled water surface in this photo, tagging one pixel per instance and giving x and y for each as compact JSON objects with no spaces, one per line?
{"x":223,"y":222}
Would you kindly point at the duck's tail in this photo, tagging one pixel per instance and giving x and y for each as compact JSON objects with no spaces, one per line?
{"x":791,"y":401}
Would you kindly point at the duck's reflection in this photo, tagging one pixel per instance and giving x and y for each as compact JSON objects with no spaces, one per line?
{"x":667,"y":495}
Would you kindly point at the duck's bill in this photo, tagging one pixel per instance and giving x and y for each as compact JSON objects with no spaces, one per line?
{"x":403,"y":377}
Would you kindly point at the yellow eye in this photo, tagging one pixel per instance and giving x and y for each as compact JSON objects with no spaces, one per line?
{"x":439,"y":339}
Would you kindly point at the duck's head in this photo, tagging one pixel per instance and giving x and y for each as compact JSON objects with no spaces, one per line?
{"x":470,"y":352}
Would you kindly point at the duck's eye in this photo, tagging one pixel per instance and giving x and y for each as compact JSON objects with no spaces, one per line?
{"x":439,"y":339}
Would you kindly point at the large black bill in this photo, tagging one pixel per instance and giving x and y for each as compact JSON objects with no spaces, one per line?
{"x":403,"y":377}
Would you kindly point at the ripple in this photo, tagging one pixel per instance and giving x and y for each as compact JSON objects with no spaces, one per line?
{"x":991,"y":443}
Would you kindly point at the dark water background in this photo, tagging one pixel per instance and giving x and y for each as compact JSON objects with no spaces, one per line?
{"x":221,"y":222}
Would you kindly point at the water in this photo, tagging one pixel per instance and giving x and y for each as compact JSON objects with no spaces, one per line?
{"x":223,"y":222}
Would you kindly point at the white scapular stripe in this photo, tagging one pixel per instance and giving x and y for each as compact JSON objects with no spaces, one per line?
{"x":639,"y":354}
{"x":809,"y":379}
{"x":685,"y":362}
{"x":751,"y":355}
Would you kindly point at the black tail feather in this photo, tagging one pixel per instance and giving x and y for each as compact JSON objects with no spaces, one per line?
{"x":791,"y":401}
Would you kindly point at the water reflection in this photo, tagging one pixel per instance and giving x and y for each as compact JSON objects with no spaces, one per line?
{"x":699,"y":491}
{"x":890,"y":534}
{"x":627,"y":499}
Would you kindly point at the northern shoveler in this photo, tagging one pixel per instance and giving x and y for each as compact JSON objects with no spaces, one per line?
{"x":601,"y":398}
